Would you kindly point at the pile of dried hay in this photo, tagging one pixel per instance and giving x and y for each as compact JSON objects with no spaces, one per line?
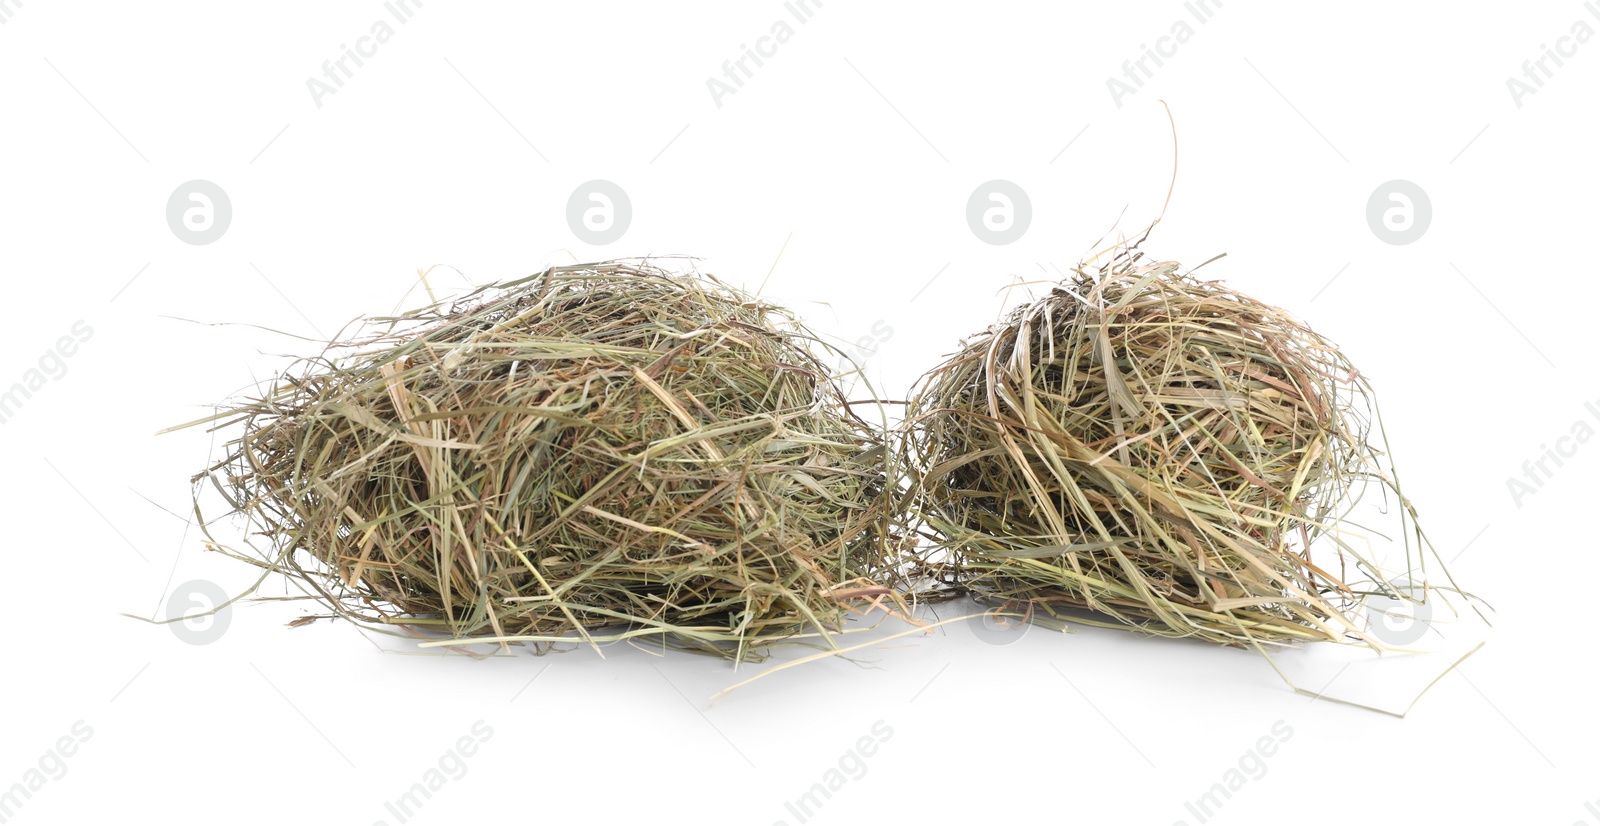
{"x":596,"y":453}
{"x":1155,"y":450}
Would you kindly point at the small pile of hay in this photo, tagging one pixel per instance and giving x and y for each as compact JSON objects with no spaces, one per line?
{"x":1158,"y":450}
{"x":595,"y":453}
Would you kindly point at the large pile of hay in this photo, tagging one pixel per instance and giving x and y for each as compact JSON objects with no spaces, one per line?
{"x":594,"y":453}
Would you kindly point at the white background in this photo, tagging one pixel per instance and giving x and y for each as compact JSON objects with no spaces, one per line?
{"x":859,"y":141}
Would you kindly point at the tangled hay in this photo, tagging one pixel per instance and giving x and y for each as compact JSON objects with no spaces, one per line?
{"x":1159,"y":452}
{"x":595,"y":453}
